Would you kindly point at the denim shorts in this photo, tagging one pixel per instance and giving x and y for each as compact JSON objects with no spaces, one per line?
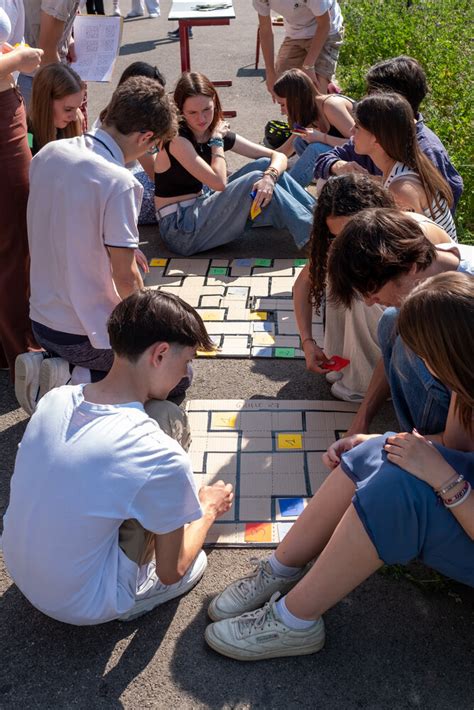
{"x":403,"y":516}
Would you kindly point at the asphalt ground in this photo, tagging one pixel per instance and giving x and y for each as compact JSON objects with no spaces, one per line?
{"x":403,"y":639}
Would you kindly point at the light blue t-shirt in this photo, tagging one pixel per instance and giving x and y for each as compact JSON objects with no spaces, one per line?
{"x":81,"y":470}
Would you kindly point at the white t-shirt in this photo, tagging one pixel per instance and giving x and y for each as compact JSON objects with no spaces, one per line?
{"x":81,"y":470}
{"x":465,"y":254}
{"x":12,"y":26}
{"x":82,"y":199}
{"x":300,"y":18}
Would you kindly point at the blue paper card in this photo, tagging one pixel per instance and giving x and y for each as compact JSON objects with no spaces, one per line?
{"x":262,"y":352}
{"x":290,"y":507}
{"x":242,"y":262}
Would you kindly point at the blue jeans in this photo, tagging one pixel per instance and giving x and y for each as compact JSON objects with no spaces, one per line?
{"x":217,"y":218}
{"x":25,"y":84}
{"x":303,"y":170}
{"x":420,"y":400}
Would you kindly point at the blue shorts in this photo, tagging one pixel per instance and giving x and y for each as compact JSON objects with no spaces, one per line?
{"x":403,"y":516}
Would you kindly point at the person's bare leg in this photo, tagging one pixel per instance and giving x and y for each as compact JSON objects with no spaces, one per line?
{"x":311,"y":532}
{"x":346,"y":561}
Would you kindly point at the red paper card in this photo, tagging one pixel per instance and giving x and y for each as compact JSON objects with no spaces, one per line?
{"x":335,"y":364}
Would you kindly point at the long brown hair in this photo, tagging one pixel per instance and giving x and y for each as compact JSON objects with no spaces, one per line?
{"x":52,"y":82}
{"x":341,"y":196}
{"x":300,"y":94}
{"x":195,"y":84}
{"x":390,"y":118}
{"x":436,"y":321}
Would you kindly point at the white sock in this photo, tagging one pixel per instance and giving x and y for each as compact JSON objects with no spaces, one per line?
{"x":282,"y":570}
{"x":289,"y":619}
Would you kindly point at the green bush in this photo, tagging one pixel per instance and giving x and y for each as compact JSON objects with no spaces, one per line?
{"x":438,"y":34}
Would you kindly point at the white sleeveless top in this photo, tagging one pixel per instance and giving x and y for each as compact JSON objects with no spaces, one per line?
{"x":439,"y":213}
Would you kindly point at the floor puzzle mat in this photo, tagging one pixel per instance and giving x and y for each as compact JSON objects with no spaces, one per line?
{"x":270,"y":450}
{"x":246,"y":304}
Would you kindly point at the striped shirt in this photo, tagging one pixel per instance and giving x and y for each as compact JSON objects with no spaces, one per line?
{"x":439,"y":212}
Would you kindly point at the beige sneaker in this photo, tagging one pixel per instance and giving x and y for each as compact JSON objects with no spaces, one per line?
{"x":251,"y":592}
{"x":261,"y":634}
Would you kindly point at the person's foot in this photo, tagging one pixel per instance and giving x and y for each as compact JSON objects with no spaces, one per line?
{"x":333,"y":377}
{"x":27,"y":377}
{"x":340,"y":391}
{"x":262,"y":634}
{"x":175,"y":33}
{"x":251,"y":592}
{"x":134,"y":13}
{"x":152,"y":15}
{"x":153,"y":593}
{"x":116,"y":12}
{"x":54,"y":372}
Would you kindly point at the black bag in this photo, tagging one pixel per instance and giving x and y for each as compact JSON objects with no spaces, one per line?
{"x":276,"y":133}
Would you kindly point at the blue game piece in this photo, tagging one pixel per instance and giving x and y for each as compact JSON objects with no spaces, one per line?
{"x":262,"y":326}
{"x":242,"y":262}
{"x":262,"y":352}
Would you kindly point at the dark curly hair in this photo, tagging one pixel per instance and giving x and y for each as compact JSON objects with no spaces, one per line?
{"x":341,"y":196}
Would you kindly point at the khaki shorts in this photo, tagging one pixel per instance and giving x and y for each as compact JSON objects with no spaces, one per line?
{"x":293,"y":53}
{"x":138,"y":543}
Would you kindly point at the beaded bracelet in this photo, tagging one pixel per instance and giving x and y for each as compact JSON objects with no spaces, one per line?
{"x":215,"y":141}
{"x":451,"y":483}
{"x":459,"y":497}
{"x":272,"y":173}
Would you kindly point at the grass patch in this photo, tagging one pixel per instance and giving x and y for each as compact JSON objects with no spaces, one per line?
{"x":438,"y":34}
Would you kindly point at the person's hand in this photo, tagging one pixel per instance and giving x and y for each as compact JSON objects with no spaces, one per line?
{"x":216,"y":499}
{"x":315,"y":357}
{"x":342,"y":167}
{"x":332,"y":457}
{"x":142,"y":261}
{"x":315,"y":136}
{"x":417,"y":455}
{"x":71,"y":51}
{"x":221,"y":129}
{"x":29,"y":58}
{"x":264,"y":189}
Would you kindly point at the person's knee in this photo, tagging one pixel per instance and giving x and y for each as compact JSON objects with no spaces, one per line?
{"x":171,"y":419}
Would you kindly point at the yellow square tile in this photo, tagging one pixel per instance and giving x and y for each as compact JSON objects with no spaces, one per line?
{"x":258,"y":315}
{"x":223,"y":419}
{"x":290,"y":441}
{"x":158,"y":262}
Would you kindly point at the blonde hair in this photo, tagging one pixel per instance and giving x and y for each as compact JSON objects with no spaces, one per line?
{"x":52,"y":82}
{"x":436,"y":321}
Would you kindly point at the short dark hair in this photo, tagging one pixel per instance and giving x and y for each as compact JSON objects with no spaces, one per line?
{"x":341,"y":196}
{"x":376,"y":246}
{"x":402,"y":75}
{"x":149,"y":316}
{"x":140,"y":104}
{"x":142,"y":69}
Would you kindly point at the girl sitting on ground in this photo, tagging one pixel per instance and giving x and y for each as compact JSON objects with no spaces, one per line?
{"x":389,"y":499}
{"x":54,"y":111}
{"x":385,"y":131}
{"x":325,"y":121}
{"x":198,"y":207}
{"x":348,"y":333}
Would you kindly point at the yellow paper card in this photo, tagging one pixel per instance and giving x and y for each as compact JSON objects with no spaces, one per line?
{"x":255,"y":210}
{"x":212,"y":315}
{"x":258,"y":532}
{"x":258,"y":315}
{"x":263,"y":339}
{"x":290,"y":441}
{"x":158,"y":262}
{"x":224,"y":419}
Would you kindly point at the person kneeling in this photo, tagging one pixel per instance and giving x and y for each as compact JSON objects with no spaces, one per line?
{"x":101,"y":496}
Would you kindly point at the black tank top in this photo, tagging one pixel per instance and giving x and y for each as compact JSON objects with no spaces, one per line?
{"x":177,"y":181}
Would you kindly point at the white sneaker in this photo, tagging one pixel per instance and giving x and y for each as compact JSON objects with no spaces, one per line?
{"x":134,"y":13}
{"x":153,"y":593}
{"x":152,"y":15}
{"x":27,"y":376}
{"x":262,"y":634}
{"x":116,"y":12}
{"x":333,"y":377}
{"x":54,"y":372}
{"x":340,"y":391}
{"x":251,"y":592}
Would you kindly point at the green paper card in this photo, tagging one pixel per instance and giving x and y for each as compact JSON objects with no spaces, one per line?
{"x":300,"y":262}
{"x":30,"y":140}
{"x":218,"y":271}
{"x":262,"y":262}
{"x":284,"y":352}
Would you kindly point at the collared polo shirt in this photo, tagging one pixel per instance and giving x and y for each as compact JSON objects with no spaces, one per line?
{"x":82,"y":200}
{"x":300,"y":16}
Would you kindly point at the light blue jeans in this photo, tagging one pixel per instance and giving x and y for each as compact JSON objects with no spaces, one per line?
{"x":303,"y":170}
{"x":420,"y":400}
{"x":217,"y":218}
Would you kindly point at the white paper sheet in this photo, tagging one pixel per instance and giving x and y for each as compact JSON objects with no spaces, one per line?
{"x":97,"y":43}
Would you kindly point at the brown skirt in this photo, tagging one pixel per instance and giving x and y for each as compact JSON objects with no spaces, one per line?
{"x":15,"y":328}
